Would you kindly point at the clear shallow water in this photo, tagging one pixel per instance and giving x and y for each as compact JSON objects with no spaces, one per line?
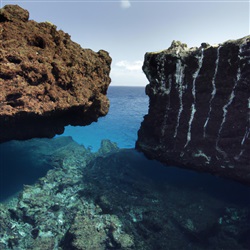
{"x":128,"y":105}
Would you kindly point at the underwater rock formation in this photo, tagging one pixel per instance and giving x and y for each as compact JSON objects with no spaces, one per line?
{"x":118,"y":199}
{"x":199,"y":112}
{"x":53,"y":213}
{"x":47,"y":81}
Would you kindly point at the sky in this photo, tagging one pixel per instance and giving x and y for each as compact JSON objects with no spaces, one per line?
{"x":127,"y":29}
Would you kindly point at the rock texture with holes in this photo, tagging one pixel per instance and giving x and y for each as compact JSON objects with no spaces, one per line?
{"x":46,"y":80}
{"x":199,"y":114}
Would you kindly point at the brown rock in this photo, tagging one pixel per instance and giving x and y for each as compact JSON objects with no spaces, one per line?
{"x":12,"y":13}
{"x":46,"y":80}
{"x":199,"y":114}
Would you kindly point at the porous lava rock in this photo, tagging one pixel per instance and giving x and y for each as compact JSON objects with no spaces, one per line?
{"x":199,"y":112}
{"x":47,"y":81}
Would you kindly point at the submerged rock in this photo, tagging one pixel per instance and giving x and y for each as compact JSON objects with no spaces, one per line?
{"x":199,"y":112}
{"x":54,"y":213}
{"x":121,"y":200}
{"x":47,"y":81}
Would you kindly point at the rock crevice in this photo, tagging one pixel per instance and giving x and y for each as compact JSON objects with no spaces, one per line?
{"x":199,"y":114}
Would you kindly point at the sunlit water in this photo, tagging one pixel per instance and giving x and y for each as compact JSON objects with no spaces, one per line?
{"x":128,"y":105}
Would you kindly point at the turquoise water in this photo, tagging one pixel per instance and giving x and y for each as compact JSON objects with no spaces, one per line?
{"x":128,"y":105}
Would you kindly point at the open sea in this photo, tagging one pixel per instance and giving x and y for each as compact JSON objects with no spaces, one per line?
{"x":120,"y":200}
{"x":128,"y":105}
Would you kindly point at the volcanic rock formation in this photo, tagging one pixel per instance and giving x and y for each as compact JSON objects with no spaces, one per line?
{"x":46,"y":80}
{"x":199,"y":113}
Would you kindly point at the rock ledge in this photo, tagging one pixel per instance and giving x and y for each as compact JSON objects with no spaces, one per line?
{"x":46,"y":80}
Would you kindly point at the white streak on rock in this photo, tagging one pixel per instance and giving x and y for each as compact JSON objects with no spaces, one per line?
{"x":247,"y":130}
{"x":179,"y":76}
{"x":245,"y":136}
{"x":164,"y":88}
{"x":159,"y":80}
{"x":239,"y":155}
{"x":168,"y":90}
{"x":161,"y":88}
{"x":225,"y":108}
{"x":247,"y":133}
{"x":193,"y":108}
{"x":213,"y":92}
{"x":247,"y":127}
{"x":201,"y":154}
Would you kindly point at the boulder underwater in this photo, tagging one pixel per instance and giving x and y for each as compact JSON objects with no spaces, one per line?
{"x":47,"y":81}
{"x":199,"y":108}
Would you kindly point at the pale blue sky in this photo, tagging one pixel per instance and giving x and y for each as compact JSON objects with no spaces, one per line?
{"x":129,"y":29}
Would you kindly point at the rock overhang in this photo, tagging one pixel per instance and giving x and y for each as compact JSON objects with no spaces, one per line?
{"x":47,"y":81}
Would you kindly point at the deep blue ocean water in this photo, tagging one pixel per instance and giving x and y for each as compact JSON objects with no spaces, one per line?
{"x":128,"y":105}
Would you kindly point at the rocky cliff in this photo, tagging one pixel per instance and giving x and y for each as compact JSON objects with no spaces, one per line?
{"x":46,"y":80}
{"x":199,"y":112}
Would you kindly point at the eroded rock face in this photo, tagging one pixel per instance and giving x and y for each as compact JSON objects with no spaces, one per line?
{"x":199,"y":114}
{"x":46,"y":80}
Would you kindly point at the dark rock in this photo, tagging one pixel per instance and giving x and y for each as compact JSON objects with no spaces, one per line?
{"x":46,"y":80}
{"x":167,"y":208}
{"x":199,"y":113}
